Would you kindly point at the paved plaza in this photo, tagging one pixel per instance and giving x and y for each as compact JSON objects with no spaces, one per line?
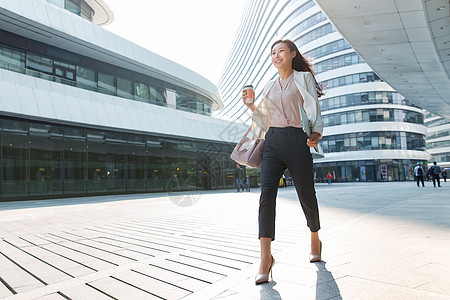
{"x":380,"y":241}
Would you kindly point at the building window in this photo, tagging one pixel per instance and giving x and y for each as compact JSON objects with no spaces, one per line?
{"x":86,"y":76}
{"x":327,"y":49}
{"x":107,"y":82}
{"x":314,"y":34}
{"x":124,"y":87}
{"x":351,"y":79}
{"x":12,"y":57}
{"x":373,"y":115}
{"x":141,"y":91}
{"x":311,"y":21}
{"x":54,"y":160}
{"x":39,"y":63}
{"x":365,"y":98}
{"x":74,"y":6}
{"x":64,"y":70}
{"x":85,"y":73}
{"x":373,"y":141}
{"x":338,"y":62}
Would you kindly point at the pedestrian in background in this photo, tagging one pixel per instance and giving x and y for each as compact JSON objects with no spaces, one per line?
{"x":238,"y":177}
{"x":329,"y":177}
{"x":277,"y":120}
{"x":435,"y":172}
{"x":444,"y":175}
{"x":419,"y":172}
{"x":247,"y":183}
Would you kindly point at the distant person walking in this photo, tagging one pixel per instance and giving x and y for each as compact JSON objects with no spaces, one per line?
{"x":247,"y":183}
{"x":418,"y":171}
{"x":238,"y":177}
{"x":435,"y":173}
{"x":444,"y":175}
{"x":329,"y":177}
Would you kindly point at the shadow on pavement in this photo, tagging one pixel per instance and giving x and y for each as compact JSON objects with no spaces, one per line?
{"x":268,"y":292}
{"x":326,"y":287}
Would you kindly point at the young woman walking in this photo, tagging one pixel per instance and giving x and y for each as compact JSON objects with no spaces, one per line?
{"x":277,"y":120}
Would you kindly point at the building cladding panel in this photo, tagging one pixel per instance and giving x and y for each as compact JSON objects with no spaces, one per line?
{"x":84,"y":111}
{"x":368,"y":125}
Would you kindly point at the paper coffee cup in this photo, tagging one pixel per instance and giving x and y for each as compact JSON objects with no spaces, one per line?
{"x":248,"y":89}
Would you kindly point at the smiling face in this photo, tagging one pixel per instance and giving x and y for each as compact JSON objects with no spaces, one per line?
{"x":282,"y":56}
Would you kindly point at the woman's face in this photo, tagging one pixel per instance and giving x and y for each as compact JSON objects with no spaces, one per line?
{"x":282,"y":56}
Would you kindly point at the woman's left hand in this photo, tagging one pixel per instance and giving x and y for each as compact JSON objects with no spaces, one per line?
{"x":313,"y":139}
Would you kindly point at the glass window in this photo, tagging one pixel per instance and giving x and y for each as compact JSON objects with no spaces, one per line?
{"x":86,"y":76}
{"x":136,"y":163}
{"x":41,"y":166}
{"x":97,"y":167}
{"x":141,"y":91}
{"x":12,"y":57}
{"x":64,"y":70}
{"x":350,"y":117}
{"x":156,"y":94}
{"x":86,"y":11}
{"x":107,"y":82}
{"x":40,"y":63}
{"x":74,"y":161}
{"x":15,"y":162}
{"x":116,"y":161}
{"x":73,"y":6}
{"x":124,"y":87}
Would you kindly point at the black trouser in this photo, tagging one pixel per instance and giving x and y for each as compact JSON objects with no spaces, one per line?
{"x":286,"y":148}
{"x":420,"y":177}
{"x":436,"y":178}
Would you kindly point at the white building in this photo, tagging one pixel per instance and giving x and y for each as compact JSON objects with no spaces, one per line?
{"x":372,"y":133}
{"x":407,"y":42}
{"x":438,"y":139}
{"x":84,"y":111}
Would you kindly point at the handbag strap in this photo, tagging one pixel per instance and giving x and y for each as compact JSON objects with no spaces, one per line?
{"x":248,"y":130}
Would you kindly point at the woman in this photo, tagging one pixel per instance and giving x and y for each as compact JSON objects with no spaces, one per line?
{"x":277,"y":120}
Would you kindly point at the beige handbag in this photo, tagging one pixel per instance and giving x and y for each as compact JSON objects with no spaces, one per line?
{"x":248,"y":152}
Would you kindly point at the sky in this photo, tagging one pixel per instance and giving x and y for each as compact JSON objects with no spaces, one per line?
{"x":197,"y":34}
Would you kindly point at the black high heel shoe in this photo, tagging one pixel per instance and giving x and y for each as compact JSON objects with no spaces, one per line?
{"x":263,"y":278}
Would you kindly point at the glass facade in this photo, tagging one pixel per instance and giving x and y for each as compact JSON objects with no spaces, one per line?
{"x":366,"y":170}
{"x":327,"y":49}
{"x":41,"y":160}
{"x":438,"y":139}
{"x":351,"y":79}
{"x":372,"y":115}
{"x":68,"y":68}
{"x":338,"y":62}
{"x":364,"y":98}
{"x":375,"y":140}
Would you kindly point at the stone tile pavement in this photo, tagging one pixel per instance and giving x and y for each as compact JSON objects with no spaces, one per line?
{"x":380,"y":241}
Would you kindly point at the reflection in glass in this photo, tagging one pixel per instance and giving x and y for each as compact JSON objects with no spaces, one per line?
{"x":39,"y":63}
{"x":15,"y":159}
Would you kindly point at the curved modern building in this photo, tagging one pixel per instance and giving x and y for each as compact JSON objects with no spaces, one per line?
{"x":86,"y":112}
{"x":372,"y":133}
{"x":438,"y":139}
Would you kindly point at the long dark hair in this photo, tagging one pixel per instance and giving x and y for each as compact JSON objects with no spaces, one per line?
{"x":301,"y":64}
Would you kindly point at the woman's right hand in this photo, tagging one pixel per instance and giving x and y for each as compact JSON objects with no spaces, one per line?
{"x":252,"y":105}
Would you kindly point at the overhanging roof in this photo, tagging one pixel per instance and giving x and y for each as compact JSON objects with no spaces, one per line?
{"x":406,"y":42}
